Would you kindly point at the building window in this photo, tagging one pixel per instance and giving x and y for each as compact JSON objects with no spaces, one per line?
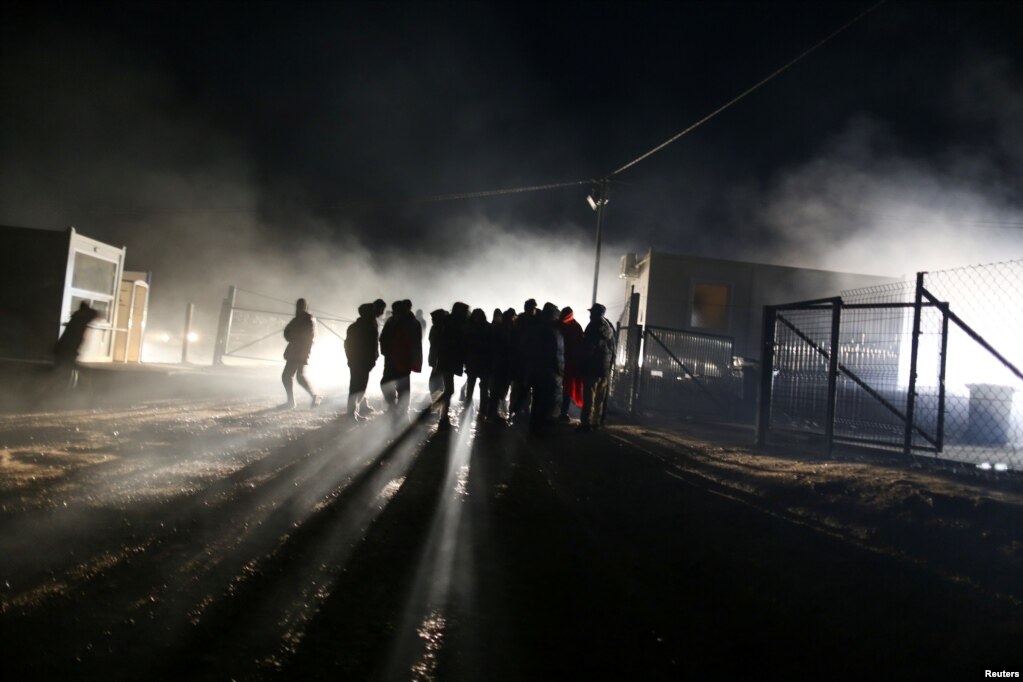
{"x":710,"y":306}
{"x":94,"y":274}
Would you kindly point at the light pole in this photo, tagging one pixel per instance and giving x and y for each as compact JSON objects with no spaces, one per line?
{"x":597,"y":200}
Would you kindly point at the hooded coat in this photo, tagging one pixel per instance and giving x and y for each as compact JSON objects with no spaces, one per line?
{"x":401,"y":342}
{"x":361,"y":339}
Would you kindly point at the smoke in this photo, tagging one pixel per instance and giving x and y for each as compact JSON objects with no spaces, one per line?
{"x":874,"y":201}
{"x":128,"y":156}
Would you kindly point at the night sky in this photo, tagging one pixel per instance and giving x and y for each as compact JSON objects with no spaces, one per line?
{"x":267,"y":143}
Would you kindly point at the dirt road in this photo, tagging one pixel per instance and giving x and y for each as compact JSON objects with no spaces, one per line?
{"x":228,"y":540}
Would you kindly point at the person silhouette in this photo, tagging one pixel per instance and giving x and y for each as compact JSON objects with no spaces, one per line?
{"x":361,"y":351}
{"x":401,"y":344}
{"x":451,"y":357}
{"x":599,"y":345}
{"x":69,"y":344}
{"x":300,"y":333}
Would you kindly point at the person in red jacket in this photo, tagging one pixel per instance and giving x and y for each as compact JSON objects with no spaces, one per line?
{"x":572,"y":387}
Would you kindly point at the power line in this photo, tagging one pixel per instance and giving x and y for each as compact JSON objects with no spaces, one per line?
{"x":748,"y":91}
{"x":500,"y":192}
{"x":460,"y":196}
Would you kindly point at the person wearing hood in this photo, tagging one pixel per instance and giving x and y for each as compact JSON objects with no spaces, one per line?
{"x":572,"y":387}
{"x":525,"y":325}
{"x":401,"y":344}
{"x":546,"y":366}
{"x":437,"y":319}
{"x":300,"y":333}
{"x":599,"y":346}
{"x":503,"y":362}
{"x":478,"y":358}
{"x":361,"y":350}
{"x":451,"y":357}
{"x":65,"y":352}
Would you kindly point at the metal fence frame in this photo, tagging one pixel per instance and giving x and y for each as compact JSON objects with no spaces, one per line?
{"x":634,"y":387}
{"x":917,"y":436}
{"x":226,"y":326}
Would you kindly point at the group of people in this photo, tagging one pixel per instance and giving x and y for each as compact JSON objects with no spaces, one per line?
{"x":536,"y":363}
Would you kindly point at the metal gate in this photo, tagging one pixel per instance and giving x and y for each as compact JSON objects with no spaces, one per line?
{"x":674,"y":371}
{"x":876,"y":374}
{"x":252,"y":325}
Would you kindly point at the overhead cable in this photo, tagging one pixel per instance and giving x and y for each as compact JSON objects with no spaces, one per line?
{"x":748,"y":91}
{"x":499,"y":192}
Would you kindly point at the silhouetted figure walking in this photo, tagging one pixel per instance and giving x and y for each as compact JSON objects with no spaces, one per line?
{"x":300,"y":334}
{"x":361,"y":351}
{"x":401,"y":344}
{"x":478,"y":358}
{"x":451,"y":357}
{"x":572,"y":386}
{"x":599,"y":344}
{"x":421,"y":320}
{"x":69,"y":344}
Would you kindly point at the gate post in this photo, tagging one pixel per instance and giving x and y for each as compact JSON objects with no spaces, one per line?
{"x":836,"y":327}
{"x":907,"y":444}
{"x":632,"y":359}
{"x":940,"y":435}
{"x":766,"y":374}
{"x":186,"y":337}
{"x":224,"y":326}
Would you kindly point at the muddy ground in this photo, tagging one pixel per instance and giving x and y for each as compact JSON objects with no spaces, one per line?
{"x":224,"y":539}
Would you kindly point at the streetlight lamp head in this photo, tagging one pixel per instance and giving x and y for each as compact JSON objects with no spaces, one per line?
{"x":591,"y":201}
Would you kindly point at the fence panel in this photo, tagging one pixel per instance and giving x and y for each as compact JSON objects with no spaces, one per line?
{"x":688,"y":372}
{"x":983,"y":387}
{"x":950,"y":385}
{"x":252,"y":328}
{"x":799,"y":389}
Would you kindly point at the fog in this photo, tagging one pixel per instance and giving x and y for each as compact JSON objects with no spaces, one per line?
{"x":136,"y":150}
{"x":871,"y":200}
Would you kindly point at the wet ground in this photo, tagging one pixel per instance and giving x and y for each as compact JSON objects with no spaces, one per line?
{"x":228,"y":540}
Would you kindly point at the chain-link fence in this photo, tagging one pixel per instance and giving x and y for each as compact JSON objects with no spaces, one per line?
{"x":924,"y":367}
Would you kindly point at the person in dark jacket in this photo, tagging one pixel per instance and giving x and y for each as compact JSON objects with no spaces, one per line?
{"x":401,"y":344}
{"x":300,"y":333}
{"x":599,"y":346}
{"x":572,"y":387}
{"x":66,"y":350}
{"x":520,"y":389}
{"x":503,"y":362}
{"x":437,"y":319}
{"x":545,"y":367}
{"x":361,"y":350}
{"x":451,"y":357}
{"x":479,"y":340}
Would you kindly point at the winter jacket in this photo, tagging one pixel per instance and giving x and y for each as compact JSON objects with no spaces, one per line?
{"x":300,"y":333}
{"x":401,"y":343}
{"x":361,"y":342}
{"x":599,"y":346}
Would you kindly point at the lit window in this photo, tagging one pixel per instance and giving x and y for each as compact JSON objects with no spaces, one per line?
{"x":710,"y":306}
